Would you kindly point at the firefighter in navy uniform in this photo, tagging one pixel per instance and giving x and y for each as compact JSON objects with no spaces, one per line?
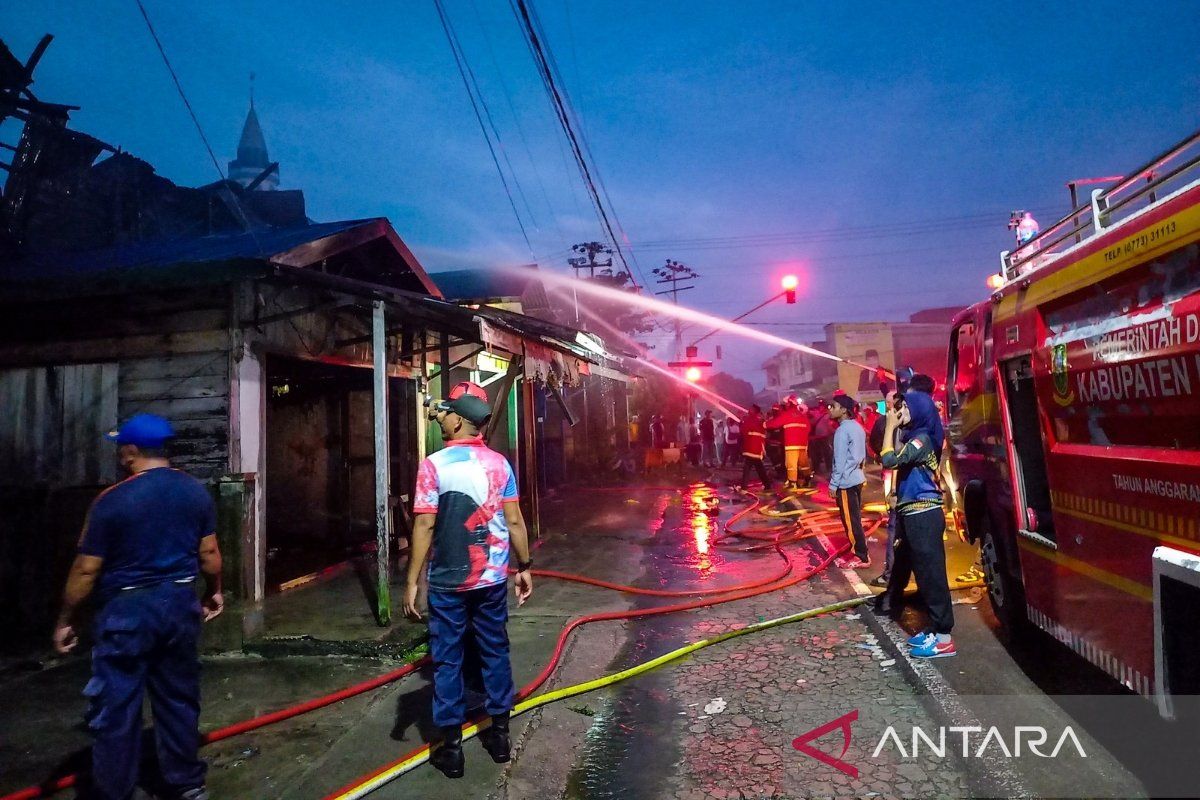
{"x":143,"y":544}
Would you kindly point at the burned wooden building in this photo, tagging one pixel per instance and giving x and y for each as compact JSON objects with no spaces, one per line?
{"x":291,"y":357}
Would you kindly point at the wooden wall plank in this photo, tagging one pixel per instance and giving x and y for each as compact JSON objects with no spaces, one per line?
{"x":111,"y":349}
{"x":89,"y":410}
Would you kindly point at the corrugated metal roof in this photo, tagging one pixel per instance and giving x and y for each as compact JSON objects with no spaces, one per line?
{"x":482,"y":284}
{"x":167,"y":255}
{"x":381,"y":258}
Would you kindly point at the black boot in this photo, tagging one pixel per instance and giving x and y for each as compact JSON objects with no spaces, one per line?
{"x":884,"y":606}
{"x":448,"y":758}
{"x":496,"y":740}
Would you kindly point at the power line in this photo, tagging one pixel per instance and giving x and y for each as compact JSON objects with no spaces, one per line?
{"x":583,"y":138}
{"x":459,"y":58}
{"x":825,"y":236}
{"x":179,"y":88}
{"x":487,"y":113}
{"x":542,"y":59}
{"x":537,"y":175}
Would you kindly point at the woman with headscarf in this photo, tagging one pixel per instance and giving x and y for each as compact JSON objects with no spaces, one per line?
{"x":920,"y":519}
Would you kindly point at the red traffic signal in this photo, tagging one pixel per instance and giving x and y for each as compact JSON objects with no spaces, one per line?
{"x":692,"y":375}
{"x":789,"y":283}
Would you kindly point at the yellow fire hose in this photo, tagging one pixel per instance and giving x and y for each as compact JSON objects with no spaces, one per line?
{"x":396,"y":770}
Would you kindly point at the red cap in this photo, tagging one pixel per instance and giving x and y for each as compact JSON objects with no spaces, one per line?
{"x":466,"y":387}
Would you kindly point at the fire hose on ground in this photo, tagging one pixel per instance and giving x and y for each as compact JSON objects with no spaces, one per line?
{"x":715,"y":596}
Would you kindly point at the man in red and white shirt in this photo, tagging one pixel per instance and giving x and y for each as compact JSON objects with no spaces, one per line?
{"x":466,"y":513}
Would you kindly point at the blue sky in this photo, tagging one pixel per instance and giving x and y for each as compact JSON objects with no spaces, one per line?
{"x":707,"y":121}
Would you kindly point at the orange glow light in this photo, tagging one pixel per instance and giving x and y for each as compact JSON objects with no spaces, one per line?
{"x":790,"y":282}
{"x":995,"y":281}
{"x":692,"y":374}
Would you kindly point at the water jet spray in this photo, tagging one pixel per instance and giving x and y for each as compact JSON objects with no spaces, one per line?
{"x":689,"y":314}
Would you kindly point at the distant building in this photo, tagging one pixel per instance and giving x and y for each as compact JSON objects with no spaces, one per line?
{"x":794,"y":372}
{"x":920,"y":343}
{"x":252,"y":158}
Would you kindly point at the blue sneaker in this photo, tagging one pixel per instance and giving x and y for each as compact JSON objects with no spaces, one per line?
{"x":935,"y":649}
{"x":920,"y":639}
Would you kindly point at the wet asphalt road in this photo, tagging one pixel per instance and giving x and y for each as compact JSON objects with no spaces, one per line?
{"x":652,"y":737}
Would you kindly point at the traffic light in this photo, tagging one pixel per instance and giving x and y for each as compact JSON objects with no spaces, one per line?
{"x":790,"y":282}
{"x":692,"y":375}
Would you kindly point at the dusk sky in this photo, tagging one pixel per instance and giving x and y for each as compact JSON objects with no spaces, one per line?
{"x":726,"y":133}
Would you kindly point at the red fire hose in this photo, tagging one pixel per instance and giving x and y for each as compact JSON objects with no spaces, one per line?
{"x":781,"y":580}
{"x":533,"y":685}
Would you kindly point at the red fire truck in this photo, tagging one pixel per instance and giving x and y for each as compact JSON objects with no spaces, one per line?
{"x":1073,"y":396}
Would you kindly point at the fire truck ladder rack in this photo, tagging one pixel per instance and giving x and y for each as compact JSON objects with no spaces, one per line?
{"x":1175,"y":170}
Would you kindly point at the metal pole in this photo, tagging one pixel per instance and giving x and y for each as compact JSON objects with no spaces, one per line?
{"x":1074,"y":205}
{"x":383,"y":517}
{"x":444,"y":366}
{"x":530,"y":490}
{"x":764,"y":303}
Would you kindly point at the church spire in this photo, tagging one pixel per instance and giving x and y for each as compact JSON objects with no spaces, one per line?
{"x":252,"y":156}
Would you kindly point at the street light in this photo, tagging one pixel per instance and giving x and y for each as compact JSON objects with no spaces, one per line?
{"x":692,"y":374}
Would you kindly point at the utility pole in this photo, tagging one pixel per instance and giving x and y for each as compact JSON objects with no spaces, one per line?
{"x":586,"y":259}
{"x":673,"y":272}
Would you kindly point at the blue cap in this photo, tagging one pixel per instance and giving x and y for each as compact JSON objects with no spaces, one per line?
{"x":143,"y":430}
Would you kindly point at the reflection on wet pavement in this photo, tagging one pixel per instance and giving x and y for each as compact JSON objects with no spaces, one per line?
{"x":632,"y":744}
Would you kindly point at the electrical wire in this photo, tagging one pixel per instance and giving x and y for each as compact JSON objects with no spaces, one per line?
{"x":237,"y":203}
{"x":540,"y":52}
{"x":462,"y":72}
{"x":824,"y":235}
{"x":487,"y":113}
{"x":583,"y":138}
{"x":179,"y":88}
{"x":537,"y":174}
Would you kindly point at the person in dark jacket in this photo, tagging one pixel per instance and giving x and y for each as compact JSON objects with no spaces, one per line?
{"x":920,"y":520}
{"x":708,"y":440}
{"x":754,"y":441}
{"x":820,"y":438}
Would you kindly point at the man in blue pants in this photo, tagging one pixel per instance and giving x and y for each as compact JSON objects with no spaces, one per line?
{"x":466,"y":512}
{"x":144,"y":541}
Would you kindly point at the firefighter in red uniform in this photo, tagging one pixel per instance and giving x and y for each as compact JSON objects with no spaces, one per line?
{"x":754,"y":447}
{"x":793,"y":423}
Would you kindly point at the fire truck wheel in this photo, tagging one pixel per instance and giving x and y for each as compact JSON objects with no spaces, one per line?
{"x":1005,"y":592}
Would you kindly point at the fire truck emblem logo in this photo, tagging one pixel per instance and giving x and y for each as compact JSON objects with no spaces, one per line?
{"x":1059,"y":368}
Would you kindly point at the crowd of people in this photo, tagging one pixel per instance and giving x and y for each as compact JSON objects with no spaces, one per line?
{"x":795,"y":442}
